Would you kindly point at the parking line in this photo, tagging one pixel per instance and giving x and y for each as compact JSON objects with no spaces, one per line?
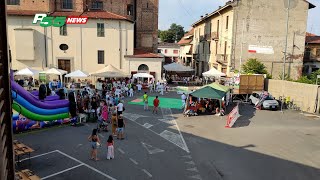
{"x":39,"y":155}
{"x":84,"y":164}
{"x":62,"y":171}
{"x":134,"y":161}
{"x":120,"y":150}
{"x":145,"y":171}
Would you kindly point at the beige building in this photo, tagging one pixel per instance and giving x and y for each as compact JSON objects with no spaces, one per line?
{"x":107,"y":38}
{"x":212,"y":41}
{"x":227,"y":34}
{"x":185,"y":55}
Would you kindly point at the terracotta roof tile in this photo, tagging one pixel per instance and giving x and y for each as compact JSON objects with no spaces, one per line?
{"x":313,"y":39}
{"x":90,"y":14}
{"x":139,"y":53}
{"x":310,"y":34}
{"x":185,"y":40}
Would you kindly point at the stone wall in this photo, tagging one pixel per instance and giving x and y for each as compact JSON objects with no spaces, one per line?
{"x":303,"y":95}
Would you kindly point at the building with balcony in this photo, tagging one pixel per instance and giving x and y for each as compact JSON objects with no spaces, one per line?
{"x":223,"y":37}
{"x":185,"y":53}
{"x":311,"y":60}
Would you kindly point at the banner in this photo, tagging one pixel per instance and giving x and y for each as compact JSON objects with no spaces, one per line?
{"x":233,"y":117}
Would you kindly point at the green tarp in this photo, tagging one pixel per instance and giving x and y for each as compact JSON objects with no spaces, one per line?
{"x":211,"y":91}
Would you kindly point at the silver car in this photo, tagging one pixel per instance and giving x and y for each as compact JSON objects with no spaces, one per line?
{"x":267,"y":103}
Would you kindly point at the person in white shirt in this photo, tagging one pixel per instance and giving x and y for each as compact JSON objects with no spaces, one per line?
{"x":120,"y":108}
{"x":183,"y":99}
{"x":158,"y":86}
{"x":161,"y":89}
{"x":131,"y":92}
{"x":151,"y":87}
{"x":139,"y":86}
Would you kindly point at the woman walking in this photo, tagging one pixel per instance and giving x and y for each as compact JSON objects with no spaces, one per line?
{"x":95,"y":142}
{"x":110,"y":145}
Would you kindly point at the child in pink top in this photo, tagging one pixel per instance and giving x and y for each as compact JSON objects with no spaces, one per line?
{"x":104,"y":111}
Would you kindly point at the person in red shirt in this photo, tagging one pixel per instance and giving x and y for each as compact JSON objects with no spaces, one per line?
{"x":156,"y":103}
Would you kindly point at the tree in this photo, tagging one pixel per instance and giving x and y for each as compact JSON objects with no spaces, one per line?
{"x":167,"y":36}
{"x":253,"y":66}
{"x":173,"y":34}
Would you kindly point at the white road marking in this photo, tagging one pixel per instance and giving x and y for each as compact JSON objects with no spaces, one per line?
{"x":80,"y":145}
{"x":196,"y":177}
{"x":147,"y":125}
{"x":169,"y":114}
{"x":187,"y":156}
{"x":38,"y":155}
{"x":84,"y":164}
{"x":120,"y":150}
{"x":151,"y":149}
{"x":133,"y":117}
{"x":145,"y":171}
{"x":174,"y":138}
{"x":101,"y":135}
{"x":60,"y":172}
{"x":134,"y":161}
{"x":190,"y":162}
{"x":193,"y":169}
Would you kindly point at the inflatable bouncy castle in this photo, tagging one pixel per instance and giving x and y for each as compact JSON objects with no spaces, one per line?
{"x":35,"y":110}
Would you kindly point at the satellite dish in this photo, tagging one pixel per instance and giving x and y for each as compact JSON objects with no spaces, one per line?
{"x":64,"y":47}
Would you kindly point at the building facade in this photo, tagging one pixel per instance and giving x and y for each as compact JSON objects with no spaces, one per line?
{"x":260,"y":24}
{"x":107,"y":38}
{"x":185,"y":53}
{"x":212,"y":41}
{"x":170,"y":51}
{"x":144,"y":14}
{"x":311,"y":60}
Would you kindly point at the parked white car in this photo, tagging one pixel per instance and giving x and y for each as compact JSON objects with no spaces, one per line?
{"x":268,"y":103}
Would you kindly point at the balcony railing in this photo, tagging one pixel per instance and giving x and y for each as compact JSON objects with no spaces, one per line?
{"x":214,"y":35}
{"x":223,"y":58}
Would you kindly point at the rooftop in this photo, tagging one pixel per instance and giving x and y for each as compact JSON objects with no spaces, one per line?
{"x":187,"y":38}
{"x":90,"y":14}
{"x":139,"y":53}
{"x":168,"y":45}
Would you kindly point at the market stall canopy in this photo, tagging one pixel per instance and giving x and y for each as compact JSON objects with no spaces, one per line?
{"x":27,"y":72}
{"x":109,"y":72}
{"x":55,"y":71}
{"x":142,"y":75}
{"x":211,"y":91}
{"x":77,"y":74}
{"x":213,"y":73}
{"x":176,"y":67}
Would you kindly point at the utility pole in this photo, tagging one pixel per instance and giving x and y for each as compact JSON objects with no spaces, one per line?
{"x":241,"y":51}
{"x":285,"y":50}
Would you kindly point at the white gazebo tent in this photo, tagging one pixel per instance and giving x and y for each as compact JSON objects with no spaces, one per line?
{"x":77,"y":74}
{"x":109,"y":72}
{"x":27,"y":72}
{"x":143,"y":75}
{"x":213,"y":73}
{"x":55,"y":71}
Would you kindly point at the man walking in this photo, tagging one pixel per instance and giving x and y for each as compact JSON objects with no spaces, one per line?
{"x":156,"y":103}
{"x":183,"y":99}
{"x":145,"y":100}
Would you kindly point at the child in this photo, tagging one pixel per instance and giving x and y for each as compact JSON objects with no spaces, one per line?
{"x":104,"y":111}
{"x":114,"y":122}
{"x":110,"y":144}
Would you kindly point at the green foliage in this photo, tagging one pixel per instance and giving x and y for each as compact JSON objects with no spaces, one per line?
{"x":269,"y":76}
{"x":253,"y":66}
{"x":174,"y":33}
{"x":304,"y":79}
{"x":286,"y":77}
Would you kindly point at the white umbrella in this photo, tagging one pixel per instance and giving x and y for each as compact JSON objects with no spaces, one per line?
{"x":77,"y":74}
{"x":27,"y":72}
{"x":109,"y":72}
{"x":213,"y":73}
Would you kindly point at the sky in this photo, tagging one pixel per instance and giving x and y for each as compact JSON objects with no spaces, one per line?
{"x":186,"y":12}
